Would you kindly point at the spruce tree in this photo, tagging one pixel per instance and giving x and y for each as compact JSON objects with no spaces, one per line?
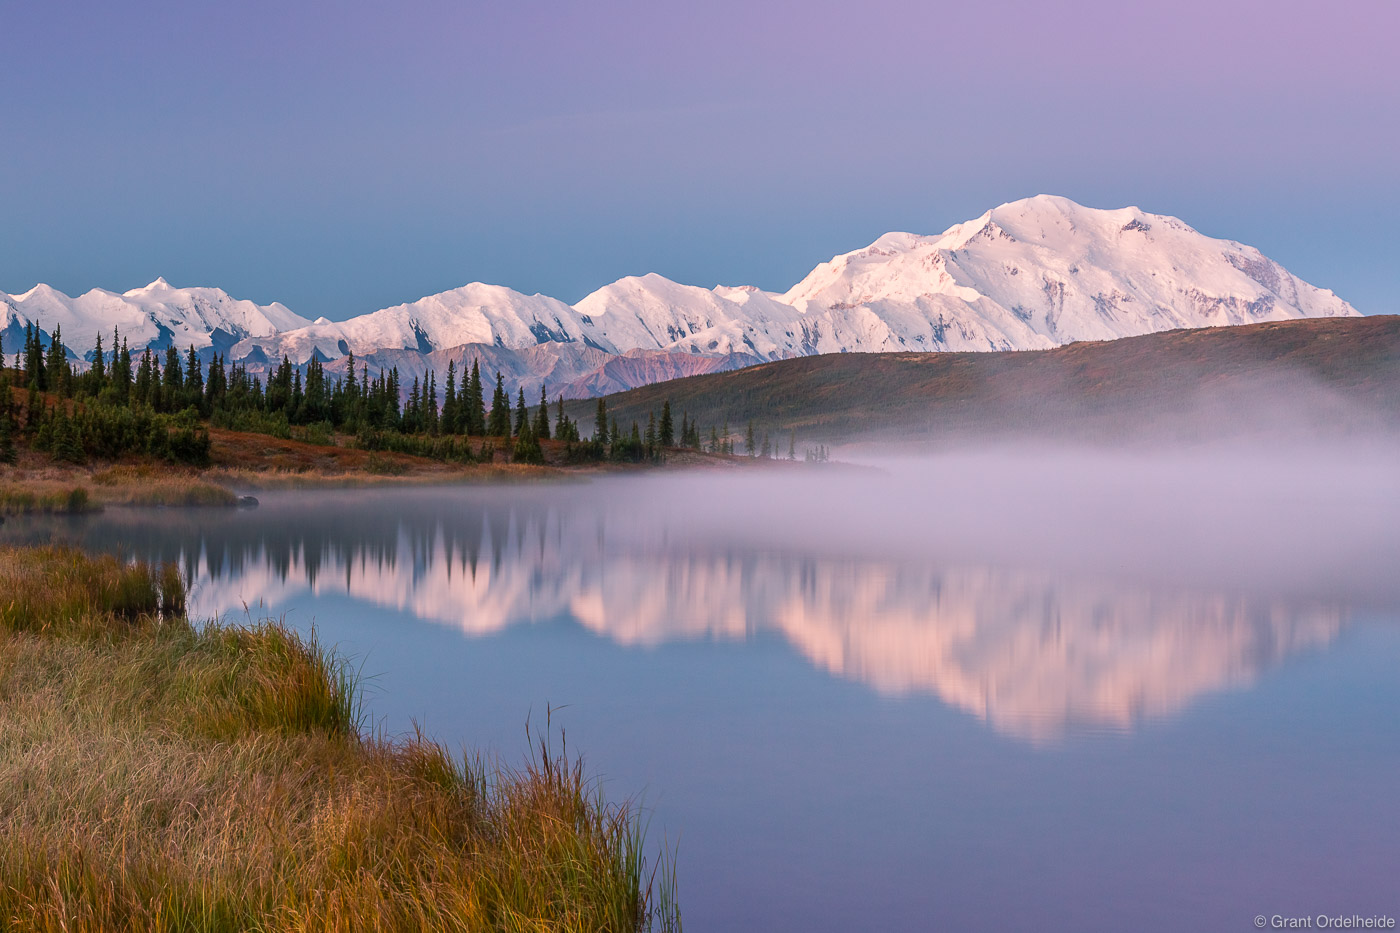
{"x":792,"y":445}
{"x":34,"y":358}
{"x":430,"y":397}
{"x":542,"y":417}
{"x":173,"y":380}
{"x":67,"y":446}
{"x":600,"y":423}
{"x":194,"y":381}
{"x":449,"y":401}
{"x":666,"y":432}
{"x":527,"y":446}
{"x":97,"y":373}
{"x":498,"y":425}
{"x":56,"y":364}
{"x":143,"y":378}
{"x":522,"y":414}
{"x":476,"y":403}
{"x":748,"y":441}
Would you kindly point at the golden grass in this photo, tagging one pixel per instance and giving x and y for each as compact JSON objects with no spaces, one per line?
{"x":45,"y":497}
{"x":155,"y":775}
{"x":469,"y":474}
{"x":148,"y":485}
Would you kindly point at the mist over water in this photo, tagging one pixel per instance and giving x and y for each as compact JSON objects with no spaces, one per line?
{"x":887,"y":694}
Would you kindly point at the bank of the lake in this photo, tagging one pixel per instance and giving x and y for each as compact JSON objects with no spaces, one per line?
{"x":161,"y":775}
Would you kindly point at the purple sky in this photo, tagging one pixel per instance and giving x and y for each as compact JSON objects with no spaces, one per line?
{"x":340,"y":157}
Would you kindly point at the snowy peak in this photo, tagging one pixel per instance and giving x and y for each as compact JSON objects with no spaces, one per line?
{"x":157,"y":315}
{"x":1045,"y":271}
{"x":1028,"y":274}
{"x":159,"y":284}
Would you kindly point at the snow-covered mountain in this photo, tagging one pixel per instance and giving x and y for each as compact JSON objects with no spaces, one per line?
{"x":1031,"y":274}
{"x":158,"y":315}
{"x":1043,"y":272}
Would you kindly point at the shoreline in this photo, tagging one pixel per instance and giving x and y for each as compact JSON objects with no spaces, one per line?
{"x":156,"y":774}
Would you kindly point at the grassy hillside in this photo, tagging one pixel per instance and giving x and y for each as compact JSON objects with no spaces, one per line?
{"x":1336,"y":373}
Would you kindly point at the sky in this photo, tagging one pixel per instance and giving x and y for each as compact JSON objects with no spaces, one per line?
{"x":345,"y":156}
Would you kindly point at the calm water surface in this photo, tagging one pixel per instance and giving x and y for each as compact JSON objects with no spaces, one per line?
{"x":856,"y":714}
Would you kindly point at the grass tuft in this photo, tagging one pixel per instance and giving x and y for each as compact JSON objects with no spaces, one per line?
{"x":161,"y":776}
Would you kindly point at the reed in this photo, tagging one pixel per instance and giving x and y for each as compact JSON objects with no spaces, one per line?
{"x":158,"y":775}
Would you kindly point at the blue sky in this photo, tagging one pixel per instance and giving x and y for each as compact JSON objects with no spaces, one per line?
{"x":340,"y":157}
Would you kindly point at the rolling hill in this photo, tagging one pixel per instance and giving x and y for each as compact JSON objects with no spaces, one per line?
{"x":1329,"y":375}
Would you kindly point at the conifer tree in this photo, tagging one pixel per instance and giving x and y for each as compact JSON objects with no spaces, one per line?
{"x":34,"y":358}
{"x":121,"y":371}
{"x":522,"y":414}
{"x":430,"y":397}
{"x":600,"y":423}
{"x":748,"y":441}
{"x":67,"y":446}
{"x":476,"y":403}
{"x":194,"y":380}
{"x":792,"y":445}
{"x":766,"y":451}
{"x":173,"y":380}
{"x":56,"y":364}
{"x":351,"y":386}
{"x":714,"y":440}
{"x":97,"y":373}
{"x":527,"y":446}
{"x":666,"y":431}
{"x":449,"y":401}
{"x":142,"y":387}
{"x":499,"y":422}
{"x":541,"y":425}
{"x":413,"y":409}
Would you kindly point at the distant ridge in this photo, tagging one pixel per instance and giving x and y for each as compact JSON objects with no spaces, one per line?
{"x":1274,"y":379}
{"x":1028,"y":275}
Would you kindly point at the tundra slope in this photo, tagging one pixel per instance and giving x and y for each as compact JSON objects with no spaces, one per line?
{"x":1028,"y":275}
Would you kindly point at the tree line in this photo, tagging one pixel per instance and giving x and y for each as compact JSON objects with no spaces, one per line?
{"x":160,"y":403}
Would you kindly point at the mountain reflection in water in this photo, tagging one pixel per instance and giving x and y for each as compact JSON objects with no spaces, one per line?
{"x":1034,"y":654}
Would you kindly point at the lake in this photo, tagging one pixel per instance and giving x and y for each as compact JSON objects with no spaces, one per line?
{"x":1011,"y":691}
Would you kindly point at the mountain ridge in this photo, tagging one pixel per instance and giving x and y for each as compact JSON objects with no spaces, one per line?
{"x":1026,"y":275}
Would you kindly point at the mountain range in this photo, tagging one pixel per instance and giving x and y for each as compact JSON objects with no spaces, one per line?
{"x":1028,"y":275}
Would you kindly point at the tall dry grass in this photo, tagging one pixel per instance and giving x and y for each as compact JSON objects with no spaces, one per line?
{"x":46,"y":498}
{"x":155,"y":775}
{"x":147,"y":485}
